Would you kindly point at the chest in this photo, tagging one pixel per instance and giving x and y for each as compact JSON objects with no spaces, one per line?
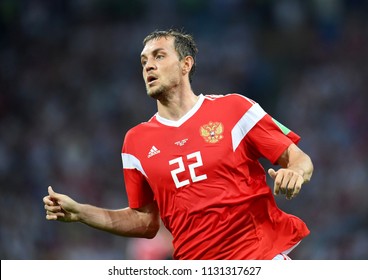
{"x":174,"y":157}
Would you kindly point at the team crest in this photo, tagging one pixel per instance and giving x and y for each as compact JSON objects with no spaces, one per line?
{"x":212,"y":132}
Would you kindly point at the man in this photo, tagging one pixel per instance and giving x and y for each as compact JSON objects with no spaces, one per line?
{"x":195,"y":166}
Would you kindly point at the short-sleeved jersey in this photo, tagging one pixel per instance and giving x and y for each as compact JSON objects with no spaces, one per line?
{"x":204,"y":173}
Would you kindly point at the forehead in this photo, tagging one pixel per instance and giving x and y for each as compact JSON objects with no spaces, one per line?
{"x":162,"y":43}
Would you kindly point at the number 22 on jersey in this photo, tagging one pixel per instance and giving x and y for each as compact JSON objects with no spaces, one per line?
{"x":182,"y":168}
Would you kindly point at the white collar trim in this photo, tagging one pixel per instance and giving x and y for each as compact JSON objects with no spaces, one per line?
{"x":184,"y":118}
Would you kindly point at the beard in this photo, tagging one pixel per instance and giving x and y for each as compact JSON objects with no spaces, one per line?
{"x":156,"y":93}
{"x":164,"y":88}
{"x":162,"y":92}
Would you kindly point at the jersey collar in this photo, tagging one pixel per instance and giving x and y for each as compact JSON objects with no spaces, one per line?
{"x":184,"y":118}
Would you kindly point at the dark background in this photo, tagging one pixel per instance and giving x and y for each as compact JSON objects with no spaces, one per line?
{"x":71,"y":86}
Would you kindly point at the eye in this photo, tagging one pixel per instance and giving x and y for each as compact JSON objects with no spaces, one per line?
{"x":143,"y":62}
{"x":159,"y":57}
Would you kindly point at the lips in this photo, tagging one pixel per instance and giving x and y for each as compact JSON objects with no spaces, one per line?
{"x":151,"y":79}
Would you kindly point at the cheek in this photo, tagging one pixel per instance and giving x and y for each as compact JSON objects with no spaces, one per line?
{"x":175,"y":77}
{"x":175,"y":72}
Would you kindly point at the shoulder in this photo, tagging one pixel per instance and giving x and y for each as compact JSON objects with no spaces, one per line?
{"x":231,"y":99}
{"x":142,"y":127}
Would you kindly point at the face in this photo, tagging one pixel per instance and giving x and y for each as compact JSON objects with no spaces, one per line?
{"x":161,"y":67}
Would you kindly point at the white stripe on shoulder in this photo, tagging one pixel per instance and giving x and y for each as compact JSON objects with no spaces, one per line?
{"x":131,"y":162}
{"x":218,"y":96}
{"x":244,"y":97}
{"x":246,"y":123}
{"x":213,"y":96}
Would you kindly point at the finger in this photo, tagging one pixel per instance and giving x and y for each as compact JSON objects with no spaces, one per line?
{"x":51,"y":217}
{"x":53,"y":209}
{"x":291,"y":188}
{"x":47,"y":201}
{"x":285,"y":183}
{"x":272,"y":173}
{"x":54,"y":216}
{"x":298,"y":185}
{"x":278,"y":180}
{"x":55,"y":213}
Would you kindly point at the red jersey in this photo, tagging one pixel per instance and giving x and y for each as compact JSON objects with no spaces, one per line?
{"x":204,"y":172}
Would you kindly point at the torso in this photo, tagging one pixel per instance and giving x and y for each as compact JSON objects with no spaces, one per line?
{"x":208,"y":183}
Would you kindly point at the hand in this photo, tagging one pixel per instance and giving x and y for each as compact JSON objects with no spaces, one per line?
{"x":60,"y":207}
{"x":287,"y":181}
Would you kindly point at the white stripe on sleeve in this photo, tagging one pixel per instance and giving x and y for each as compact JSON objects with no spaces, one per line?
{"x":246,"y":123}
{"x":131,"y":162}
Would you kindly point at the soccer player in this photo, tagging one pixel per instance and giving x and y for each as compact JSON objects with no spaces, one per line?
{"x":195,"y":166}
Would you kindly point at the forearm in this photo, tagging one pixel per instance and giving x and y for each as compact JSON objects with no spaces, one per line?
{"x":299,"y":162}
{"x":124,"y":222}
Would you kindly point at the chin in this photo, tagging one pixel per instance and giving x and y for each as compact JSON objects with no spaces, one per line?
{"x":155,"y":93}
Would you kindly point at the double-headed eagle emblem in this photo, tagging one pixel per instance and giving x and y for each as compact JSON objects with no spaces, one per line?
{"x":212,"y":132}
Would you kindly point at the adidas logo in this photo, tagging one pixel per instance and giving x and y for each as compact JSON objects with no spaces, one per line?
{"x":153,"y":151}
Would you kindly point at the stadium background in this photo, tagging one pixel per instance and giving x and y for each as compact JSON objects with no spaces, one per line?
{"x":71,"y":86}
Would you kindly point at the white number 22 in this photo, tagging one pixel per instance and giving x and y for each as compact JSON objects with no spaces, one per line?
{"x":192,"y":166}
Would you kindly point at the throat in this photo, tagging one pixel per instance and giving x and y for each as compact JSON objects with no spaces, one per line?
{"x":175,"y":110}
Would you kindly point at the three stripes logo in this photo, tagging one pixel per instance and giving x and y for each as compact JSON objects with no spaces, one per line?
{"x":153,"y":151}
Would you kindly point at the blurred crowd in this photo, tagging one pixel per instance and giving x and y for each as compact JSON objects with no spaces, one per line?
{"x":71,"y":86}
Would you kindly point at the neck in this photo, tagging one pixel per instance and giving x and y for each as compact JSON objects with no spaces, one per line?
{"x":176,"y":105}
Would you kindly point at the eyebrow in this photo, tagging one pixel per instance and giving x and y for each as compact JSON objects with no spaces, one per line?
{"x":154,"y":52}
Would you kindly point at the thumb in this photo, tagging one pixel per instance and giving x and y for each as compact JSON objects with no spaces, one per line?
{"x":50,"y":191}
{"x":272,"y":173}
{"x":53,"y":195}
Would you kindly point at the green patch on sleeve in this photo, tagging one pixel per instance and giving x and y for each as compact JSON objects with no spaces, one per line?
{"x":283,"y":128}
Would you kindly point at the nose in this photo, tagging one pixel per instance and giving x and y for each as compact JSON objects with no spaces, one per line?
{"x":149,"y":65}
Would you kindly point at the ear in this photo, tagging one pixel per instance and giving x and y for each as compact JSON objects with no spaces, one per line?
{"x":188,"y":62}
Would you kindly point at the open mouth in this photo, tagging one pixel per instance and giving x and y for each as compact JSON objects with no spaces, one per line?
{"x":151,"y":79}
